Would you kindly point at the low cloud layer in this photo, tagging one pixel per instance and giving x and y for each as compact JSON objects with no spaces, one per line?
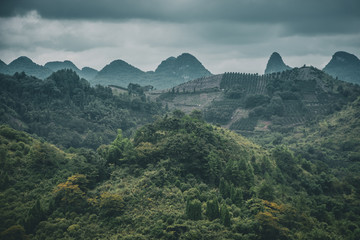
{"x":224,"y":35}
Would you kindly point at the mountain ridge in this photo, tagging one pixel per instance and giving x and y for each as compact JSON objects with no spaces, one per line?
{"x":183,"y":68}
{"x":25,"y":64}
{"x":169,"y":73}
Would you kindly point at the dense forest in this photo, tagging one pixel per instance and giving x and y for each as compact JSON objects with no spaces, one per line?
{"x":67,"y":111}
{"x":178,"y":178}
{"x":82,"y":162}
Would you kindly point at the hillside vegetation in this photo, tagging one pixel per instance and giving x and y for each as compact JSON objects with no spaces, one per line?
{"x":67,"y":111}
{"x":334,"y":140}
{"x":178,"y":178}
{"x":252,"y":103}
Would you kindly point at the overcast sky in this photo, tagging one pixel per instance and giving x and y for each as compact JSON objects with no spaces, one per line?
{"x":225,"y":35}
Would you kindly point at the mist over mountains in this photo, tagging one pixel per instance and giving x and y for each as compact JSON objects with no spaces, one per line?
{"x":170,"y":72}
{"x":105,"y":162}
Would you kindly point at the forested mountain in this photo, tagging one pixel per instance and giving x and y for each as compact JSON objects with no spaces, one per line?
{"x":185,"y":67}
{"x":276,"y":64}
{"x":178,"y":178}
{"x":86,"y":72}
{"x":253,"y":104}
{"x":334,"y":140}
{"x":57,"y":65}
{"x":119,"y":73}
{"x":67,"y":111}
{"x":344,"y":66}
{"x":25,"y":64}
{"x":84,"y":162}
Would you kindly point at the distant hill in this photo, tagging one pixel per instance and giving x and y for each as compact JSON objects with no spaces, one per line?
{"x":119,"y":73}
{"x":344,"y":66}
{"x":276,"y":64}
{"x":185,"y":67}
{"x":171,"y":72}
{"x":25,"y":64}
{"x":57,"y":65}
{"x":86,"y":72}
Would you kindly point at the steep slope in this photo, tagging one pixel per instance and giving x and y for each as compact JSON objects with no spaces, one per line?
{"x":335,"y":140}
{"x":4,"y":69}
{"x":30,"y":171}
{"x":344,"y":66}
{"x":25,"y":64}
{"x":178,"y":178}
{"x":276,"y":64}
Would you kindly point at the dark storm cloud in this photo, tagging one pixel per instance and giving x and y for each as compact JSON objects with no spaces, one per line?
{"x":226,"y":35}
{"x":301,"y":17}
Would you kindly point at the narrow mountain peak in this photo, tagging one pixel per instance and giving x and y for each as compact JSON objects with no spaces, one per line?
{"x":276,"y":64}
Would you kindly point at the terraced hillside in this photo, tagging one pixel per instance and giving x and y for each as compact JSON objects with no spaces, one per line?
{"x":251,"y":102}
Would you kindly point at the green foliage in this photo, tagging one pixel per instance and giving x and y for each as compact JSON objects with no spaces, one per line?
{"x":111,"y":204}
{"x":71,"y":194}
{"x":15,"y":232}
{"x":252,"y":101}
{"x":67,"y":111}
{"x":119,"y":149}
{"x":266,"y":191}
{"x":193,"y":210}
{"x":225,"y":216}
{"x":178,"y":178}
{"x":212,"y":210}
{"x":35,"y":215}
{"x":284,"y":100}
